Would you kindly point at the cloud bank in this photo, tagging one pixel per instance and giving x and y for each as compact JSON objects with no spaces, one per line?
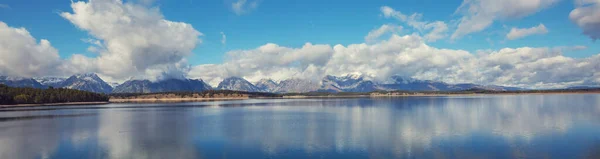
{"x":133,"y":40}
{"x":410,"y":56}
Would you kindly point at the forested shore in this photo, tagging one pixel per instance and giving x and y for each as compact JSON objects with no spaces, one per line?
{"x":17,"y":95}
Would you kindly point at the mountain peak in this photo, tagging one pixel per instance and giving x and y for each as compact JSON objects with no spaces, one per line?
{"x":348,"y":83}
{"x":238,"y":84}
{"x":296,"y":85}
{"x":86,"y":82}
{"x":355,"y":75}
{"x":266,"y":85}
{"x":50,"y":81}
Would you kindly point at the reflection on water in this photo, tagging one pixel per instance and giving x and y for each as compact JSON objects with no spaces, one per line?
{"x":533,"y":126}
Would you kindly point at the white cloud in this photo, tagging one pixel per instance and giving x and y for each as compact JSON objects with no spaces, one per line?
{"x":408,"y":56}
{"x":480,"y":14}
{"x":22,"y":55}
{"x":587,"y":16}
{"x":269,"y":60}
{"x":223,"y":38}
{"x":384,"y":29}
{"x":517,"y":33}
{"x":436,"y":30}
{"x":136,"y":40}
{"x":243,"y":6}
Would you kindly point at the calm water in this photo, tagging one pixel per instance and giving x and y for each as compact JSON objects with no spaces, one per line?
{"x":532,"y":126}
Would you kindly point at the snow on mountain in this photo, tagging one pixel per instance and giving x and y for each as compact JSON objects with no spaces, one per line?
{"x":113,"y":84}
{"x":50,"y":81}
{"x":168,"y":85}
{"x":410,"y":84}
{"x":348,"y":83}
{"x":20,"y":82}
{"x":296,"y":85}
{"x":266,"y":85}
{"x":86,"y":82}
{"x":238,"y":84}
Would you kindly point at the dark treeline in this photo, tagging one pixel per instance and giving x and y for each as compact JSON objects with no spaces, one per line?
{"x":13,"y":95}
{"x":205,"y":94}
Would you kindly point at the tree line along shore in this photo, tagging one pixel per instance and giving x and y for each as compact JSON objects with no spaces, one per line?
{"x":25,"y":95}
{"x":63,"y":96}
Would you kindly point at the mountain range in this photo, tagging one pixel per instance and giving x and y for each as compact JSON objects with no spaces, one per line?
{"x":169,"y":85}
{"x":347,"y":83}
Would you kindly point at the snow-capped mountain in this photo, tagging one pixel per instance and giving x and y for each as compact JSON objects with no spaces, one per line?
{"x":50,"y":81}
{"x":296,"y":85}
{"x":113,"y":84}
{"x":237,"y":84}
{"x":169,"y":85}
{"x":266,"y":85}
{"x":348,"y":83}
{"x":20,"y":82}
{"x":86,"y":82}
{"x":410,"y":84}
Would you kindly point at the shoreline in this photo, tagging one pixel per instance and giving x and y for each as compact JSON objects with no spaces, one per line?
{"x":171,"y":100}
{"x":174,"y":100}
{"x":430,"y":95}
{"x":53,"y":104}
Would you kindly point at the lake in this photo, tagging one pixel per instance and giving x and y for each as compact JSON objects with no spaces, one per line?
{"x":498,"y":126}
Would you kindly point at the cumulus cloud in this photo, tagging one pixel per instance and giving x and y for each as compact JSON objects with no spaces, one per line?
{"x":480,"y":14}
{"x":223,"y":38}
{"x":135,"y":40}
{"x":268,"y":61}
{"x":384,"y":29}
{"x":22,"y":55}
{"x":587,"y":16}
{"x":408,"y":56}
{"x":243,"y":6}
{"x":517,"y":33}
{"x":432,"y":31}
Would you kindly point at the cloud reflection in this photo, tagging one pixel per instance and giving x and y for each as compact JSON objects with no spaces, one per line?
{"x":430,"y":127}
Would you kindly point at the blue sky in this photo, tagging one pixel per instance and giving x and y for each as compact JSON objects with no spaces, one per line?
{"x":294,"y":23}
{"x":537,"y":43}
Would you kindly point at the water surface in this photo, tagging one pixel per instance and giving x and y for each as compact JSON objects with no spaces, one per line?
{"x":502,"y":126}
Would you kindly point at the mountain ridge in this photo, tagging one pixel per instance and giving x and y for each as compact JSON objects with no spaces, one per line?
{"x":345,"y":83}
